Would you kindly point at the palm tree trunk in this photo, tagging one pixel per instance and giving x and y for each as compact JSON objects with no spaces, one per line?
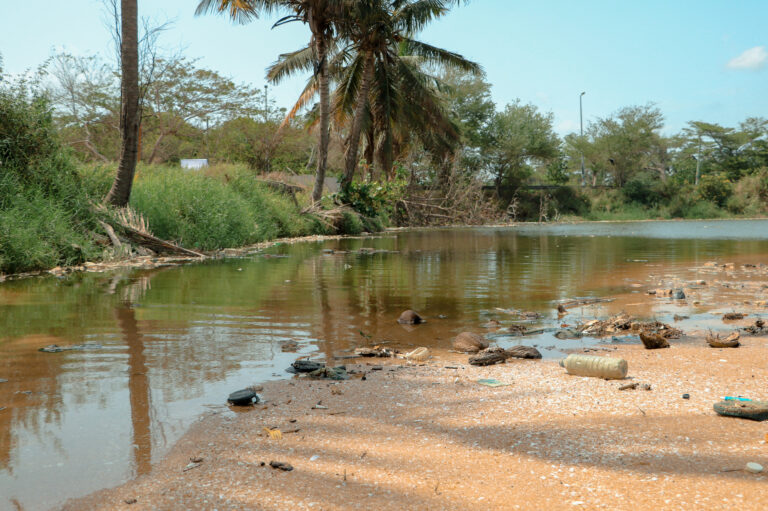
{"x":325,"y":119}
{"x":130,"y":116}
{"x":350,"y":164}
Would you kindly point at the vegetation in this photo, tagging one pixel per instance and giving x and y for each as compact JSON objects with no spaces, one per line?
{"x":408,"y":129}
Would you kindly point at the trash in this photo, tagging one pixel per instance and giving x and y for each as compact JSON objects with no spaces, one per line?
{"x":517,"y":330}
{"x":3,"y":380}
{"x":314,"y":458}
{"x":653,"y":341}
{"x":568,"y":333}
{"x":733,"y":316}
{"x":714,"y":340}
{"x":245,"y":397}
{"x":196,"y":459}
{"x":678,"y":317}
{"x":305,"y":366}
{"x":376,"y":351}
{"x":469,"y":342}
{"x":488,"y":356}
{"x":130,"y":501}
{"x":752,"y":410}
{"x":754,"y":468}
{"x":686,"y":396}
{"x":629,"y":386}
{"x":418,"y":355}
{"x":190,"y":466}
{"x":55,"y":348}
{"x":522,"y":352}
{"x":330,"y":373}
{"x":599,"y":367}
{"x":409,"y":317}
{"x":286,"y":467}
{"x":757,"y":328}
{"x":492,"y":382}
{"x":646,"y":386}
{"x":319,"y":406}
{"x":625,"y":323}
{"x":274,"y":434}
{"x":737,"y":398}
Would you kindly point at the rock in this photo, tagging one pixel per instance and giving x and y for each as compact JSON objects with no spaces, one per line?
{"x":489,"y":356}
{"x":561,"y":309}
{"x":686,"y":396}
{"x":305,"y":366}
{"x":281,"y":465}
{"x":418,"y":355}
{"x":492,"y":323}
{"x":645,"y":386}
{"x":754,"y":468}
{"x":409,"y":317}
{"x":732,"y":341}
{"x":678,"y":294}
{"x":653,"y":341}
{"x":522,"y":352}
{"x":469,"y":342}
{"x":130,"y":501}
{"x":752,"y":410}
{"x":245,"y":397}
{"x":330,"y":373}
{"x":629,"y":386}
{"x":517,"y":329}
{"x":733,"y":316}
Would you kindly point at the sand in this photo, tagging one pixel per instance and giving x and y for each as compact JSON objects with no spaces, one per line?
{"x":430,"y":437}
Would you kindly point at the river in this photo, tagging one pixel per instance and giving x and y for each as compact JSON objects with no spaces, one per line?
{"x":168,"y":344}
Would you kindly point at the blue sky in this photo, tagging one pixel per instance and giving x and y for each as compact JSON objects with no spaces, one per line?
{"x":698,"y":60}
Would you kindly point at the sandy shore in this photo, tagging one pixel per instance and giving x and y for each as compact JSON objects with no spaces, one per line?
{"x":430,"y":437}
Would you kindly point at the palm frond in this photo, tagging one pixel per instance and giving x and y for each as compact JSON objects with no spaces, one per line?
{"x":440,"y":57}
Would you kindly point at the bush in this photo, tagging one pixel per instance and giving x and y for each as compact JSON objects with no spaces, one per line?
{"x":45,"y":211}
{"x":715,"y":188}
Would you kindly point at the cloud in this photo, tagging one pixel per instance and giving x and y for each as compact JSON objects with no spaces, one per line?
{"x":753,"y":58}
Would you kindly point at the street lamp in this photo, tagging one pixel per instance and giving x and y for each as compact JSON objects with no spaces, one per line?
{"x":581,"y":133}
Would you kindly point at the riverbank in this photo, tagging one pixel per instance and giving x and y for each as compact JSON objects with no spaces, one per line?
{"x":430,"y":437}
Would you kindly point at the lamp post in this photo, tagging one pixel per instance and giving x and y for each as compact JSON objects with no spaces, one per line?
{"x":581,"y":133}
{"x":266,"y":105}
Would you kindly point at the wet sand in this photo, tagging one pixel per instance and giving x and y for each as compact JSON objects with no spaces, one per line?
{"x":430,"y":437}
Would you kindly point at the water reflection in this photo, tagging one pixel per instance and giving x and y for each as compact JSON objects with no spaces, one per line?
{"x":177,"y":341}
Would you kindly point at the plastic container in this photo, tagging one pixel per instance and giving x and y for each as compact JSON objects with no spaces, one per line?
{"x":598,"y":367}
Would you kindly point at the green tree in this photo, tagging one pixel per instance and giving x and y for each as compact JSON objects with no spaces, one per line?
{"x":521,"y":138}
{"x":319,"y":15}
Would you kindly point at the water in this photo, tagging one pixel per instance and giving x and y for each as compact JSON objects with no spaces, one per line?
{"x":176,"y":340}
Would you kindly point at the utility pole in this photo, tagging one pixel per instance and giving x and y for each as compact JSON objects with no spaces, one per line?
{"x":266,"y":105}
{"x":698,"y":164}
{"x":581,"y":133}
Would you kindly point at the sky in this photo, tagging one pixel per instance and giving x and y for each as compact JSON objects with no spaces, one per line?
{"x":695,"y":59}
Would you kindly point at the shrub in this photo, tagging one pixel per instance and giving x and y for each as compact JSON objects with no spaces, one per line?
{"x":715,"y":188}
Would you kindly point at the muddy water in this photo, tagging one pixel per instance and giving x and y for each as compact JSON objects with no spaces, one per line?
{"x":170,"y":343}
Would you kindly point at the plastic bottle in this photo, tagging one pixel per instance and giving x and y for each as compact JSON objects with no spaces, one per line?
{"x":599,"y":367}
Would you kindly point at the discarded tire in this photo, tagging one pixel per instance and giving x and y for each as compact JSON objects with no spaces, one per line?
{"x":245,"y":397}
{"x":752,"y":410}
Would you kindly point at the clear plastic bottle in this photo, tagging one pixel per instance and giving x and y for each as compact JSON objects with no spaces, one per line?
{"x":599,"y":367}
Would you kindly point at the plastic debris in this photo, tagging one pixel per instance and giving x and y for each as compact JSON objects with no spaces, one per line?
{"x":492,"y":382}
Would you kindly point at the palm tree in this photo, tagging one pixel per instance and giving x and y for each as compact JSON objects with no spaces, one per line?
{"x":381,"y":82}
{"x":319,"y":15}
{"x":130,"y":116}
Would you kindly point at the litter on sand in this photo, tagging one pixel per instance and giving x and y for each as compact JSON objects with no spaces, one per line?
{"x":492,"y":382}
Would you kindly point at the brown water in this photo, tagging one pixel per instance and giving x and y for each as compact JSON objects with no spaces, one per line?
{"x":171,"y":343}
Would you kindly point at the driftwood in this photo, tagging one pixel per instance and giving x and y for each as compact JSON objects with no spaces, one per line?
{"x":156,"y":244}
{"x":653,"y":341}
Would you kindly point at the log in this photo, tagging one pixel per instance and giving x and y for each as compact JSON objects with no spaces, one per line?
{"x":156,"y":244}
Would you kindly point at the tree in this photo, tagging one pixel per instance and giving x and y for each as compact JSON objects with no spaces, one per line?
{"x":520,"y":138}
{"x":183,"y":95}
{"x":624,"y":144}
{"x":130,"y":115}
{"x":319,"y":15}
